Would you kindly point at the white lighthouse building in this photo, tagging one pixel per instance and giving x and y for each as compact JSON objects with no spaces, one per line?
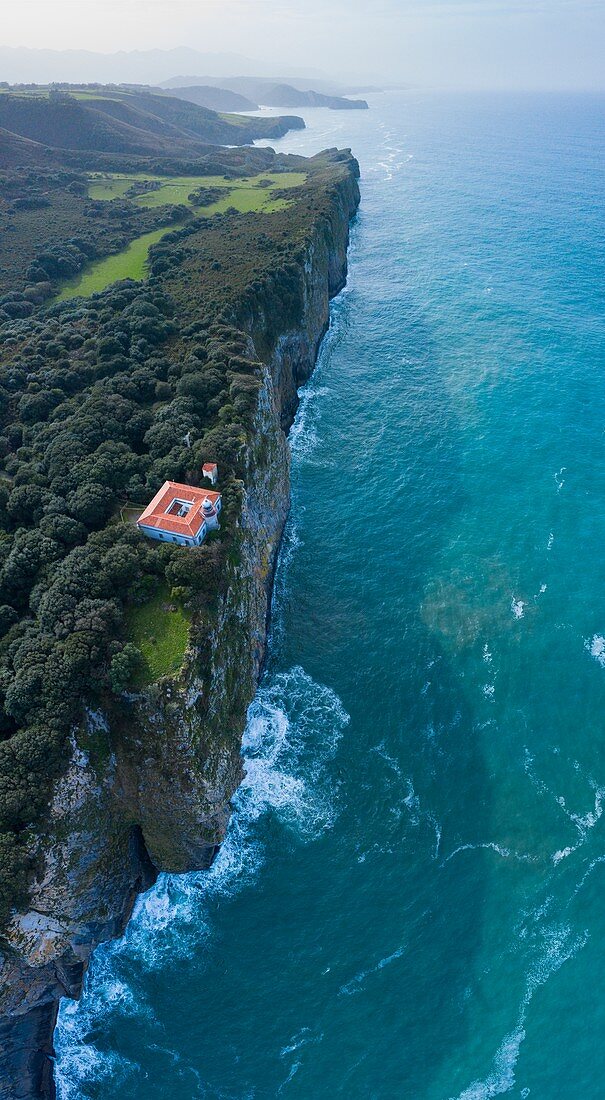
{"x":181,"y":513}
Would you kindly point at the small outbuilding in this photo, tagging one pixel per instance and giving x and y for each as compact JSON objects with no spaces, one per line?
{"x":210,"y":471}
{"x":181,"y":513}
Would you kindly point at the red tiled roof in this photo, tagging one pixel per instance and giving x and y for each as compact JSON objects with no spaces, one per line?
{"x":155,"y":514}
{"x":209,"y":467}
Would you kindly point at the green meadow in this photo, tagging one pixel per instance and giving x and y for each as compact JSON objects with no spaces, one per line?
{"x":130,"y":263}
{"x":253,"y":193}
{"x":248,"y":195}
{"x":160,"y":629}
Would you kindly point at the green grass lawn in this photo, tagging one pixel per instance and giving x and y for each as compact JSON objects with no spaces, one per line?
{"x":131,"y":263}
{"x":160,"y":629}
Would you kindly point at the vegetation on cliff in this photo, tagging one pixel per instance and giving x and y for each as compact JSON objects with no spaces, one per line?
{"x":116,"y":119}
{"x":101,"y":400}
{"x":211,"y":195}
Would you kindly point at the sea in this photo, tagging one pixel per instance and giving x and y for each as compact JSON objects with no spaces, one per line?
{"x":410,"y":902}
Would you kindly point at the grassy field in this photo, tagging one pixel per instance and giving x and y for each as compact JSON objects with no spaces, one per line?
{"x":131,"y":263}
{"x":109,"y":187}
{"x":251,"y":194}
{"x":245,"y":195}
{"x":95,"y":95}
{"x":160,"y":629}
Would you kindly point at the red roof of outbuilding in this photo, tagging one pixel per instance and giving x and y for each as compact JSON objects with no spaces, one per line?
{"x":210,"y":467}
{"x":156,"y":513}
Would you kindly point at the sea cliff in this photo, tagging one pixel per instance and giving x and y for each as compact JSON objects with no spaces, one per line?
{"x":148,"y":788}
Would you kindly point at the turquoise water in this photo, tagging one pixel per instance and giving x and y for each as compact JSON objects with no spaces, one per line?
{"x":409,"y":903}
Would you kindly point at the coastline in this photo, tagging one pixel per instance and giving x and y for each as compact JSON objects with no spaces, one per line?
{"x":155,"y":806}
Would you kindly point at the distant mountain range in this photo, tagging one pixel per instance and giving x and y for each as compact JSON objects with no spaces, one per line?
{"x":250,"y":92}
{"x":22,"y":65}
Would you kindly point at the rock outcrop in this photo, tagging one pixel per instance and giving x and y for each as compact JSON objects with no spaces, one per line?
{"x":151,"y":791}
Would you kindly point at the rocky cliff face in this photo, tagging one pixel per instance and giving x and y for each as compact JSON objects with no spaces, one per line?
{"x":151,"y":791}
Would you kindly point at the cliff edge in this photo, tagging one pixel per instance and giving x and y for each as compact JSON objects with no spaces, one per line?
{"x":148,"y":785}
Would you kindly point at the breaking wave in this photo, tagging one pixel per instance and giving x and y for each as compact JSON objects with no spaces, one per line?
{"x":294,"y":726}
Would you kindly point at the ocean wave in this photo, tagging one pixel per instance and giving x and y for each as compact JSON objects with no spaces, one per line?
{"x":558,"y":944}
{"x":583,"y":823}
{"x":502,"y":1077}
{"x":294,"y":726}
{"x":304,"y":434}
{"x":416,"y":814}
{"x":506,"y":853}
{"x":356,"y":983}
{"x":85,"y":1063}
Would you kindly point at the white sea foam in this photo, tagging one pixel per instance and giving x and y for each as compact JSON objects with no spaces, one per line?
{"x":437,"y":827}
{"x":417,"y":815}
{"x":302,"y":1038}
{"x":596,"y":648}
{"x":294,"y":726}
{"x":394,"y":764}
{"x":517,"y":607}
{"x":502,"y":1077}
{"x":560,"y":480}
{"x":293,"y":1070}
{"x":490,"y":845}
{"x":582,"y":822}
{"x":412,"y":803}
{"x":356,"y":983}
{"x":85,"y":1063}
{"x":304,"y":436}
{"x":304,"y":433}
{"x":392,"y":158}
{"x":585,"y":822}
{"x":557,"y":944}
{"x":563,"y":853}
{"x":551,"y":539}
{"x":591,"y":866}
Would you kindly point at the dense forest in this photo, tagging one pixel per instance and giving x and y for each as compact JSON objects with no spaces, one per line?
{"x":103,"y":398}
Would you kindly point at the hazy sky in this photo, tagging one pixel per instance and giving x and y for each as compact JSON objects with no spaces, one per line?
{"x":475,"y":43}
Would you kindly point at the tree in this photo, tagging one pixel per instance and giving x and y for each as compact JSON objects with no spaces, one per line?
{"x":91,"y":503}
{"x":125,"y":665}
